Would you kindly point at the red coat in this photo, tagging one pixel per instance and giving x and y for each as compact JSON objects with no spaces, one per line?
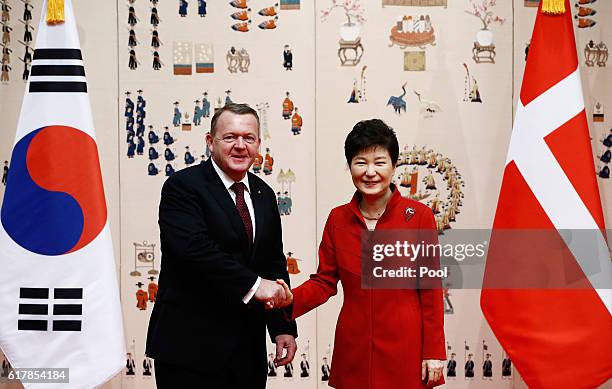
{"x":382,"y":335}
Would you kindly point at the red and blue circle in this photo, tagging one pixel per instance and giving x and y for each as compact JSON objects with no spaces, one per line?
{"x":54,"y":199}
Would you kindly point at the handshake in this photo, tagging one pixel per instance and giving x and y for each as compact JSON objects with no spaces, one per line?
{"x":274,"y":294}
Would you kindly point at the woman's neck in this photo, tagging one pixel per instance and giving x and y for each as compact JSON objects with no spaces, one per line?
{"x":374,"y":206}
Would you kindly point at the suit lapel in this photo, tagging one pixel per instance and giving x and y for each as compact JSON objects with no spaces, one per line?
{"x":259,"y":209}
{"x":223,"y":198}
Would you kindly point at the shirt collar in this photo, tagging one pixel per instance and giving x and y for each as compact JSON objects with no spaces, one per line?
{"x":227,"y":180}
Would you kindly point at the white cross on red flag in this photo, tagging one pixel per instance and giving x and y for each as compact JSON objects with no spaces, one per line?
{"x":545,"y":302}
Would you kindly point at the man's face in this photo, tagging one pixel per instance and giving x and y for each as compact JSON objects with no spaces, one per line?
{"x":234,"y":144}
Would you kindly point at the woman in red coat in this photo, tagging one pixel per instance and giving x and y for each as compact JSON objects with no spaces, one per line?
{"x":385,"y":338}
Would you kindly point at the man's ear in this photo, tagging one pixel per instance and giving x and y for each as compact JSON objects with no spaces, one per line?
{"x":209,"y":141}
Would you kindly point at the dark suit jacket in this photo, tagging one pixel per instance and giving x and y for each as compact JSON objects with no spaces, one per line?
{"x":207,"y":267}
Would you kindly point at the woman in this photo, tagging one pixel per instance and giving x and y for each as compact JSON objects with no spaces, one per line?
{"x":385,"y":338}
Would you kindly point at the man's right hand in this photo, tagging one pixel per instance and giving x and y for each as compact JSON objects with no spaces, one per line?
{"x":270,"y":293}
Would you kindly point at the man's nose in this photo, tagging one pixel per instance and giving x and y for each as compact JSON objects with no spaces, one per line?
{"x":240,"y":142}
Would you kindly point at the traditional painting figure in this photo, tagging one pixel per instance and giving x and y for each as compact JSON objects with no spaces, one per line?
{"x":296,"y":122}
{"x":133,"y":62}
{"x":132,"y":19}
{"x":241,"y":27}
{"x":202,"y":8}
{"x":268,"y":163}
{"x":5,"y":171}
{"x":155,"y":42}
{"x":269,"y":25}
{"x":287,"y":58}
{"x":304,"y":367}
{"x":130,"y":365}
{"x":287,"y":107}
{"x":451,"y":366}
{"x":397,"y":102}
{"x":271,"y":366}
{"x":177,"y":115}
{"x":183,"y":4}
{"x":205,"y":106}
{"x":469,"y":367}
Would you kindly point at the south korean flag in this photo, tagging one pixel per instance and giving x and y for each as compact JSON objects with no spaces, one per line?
{"x":59,"y":298}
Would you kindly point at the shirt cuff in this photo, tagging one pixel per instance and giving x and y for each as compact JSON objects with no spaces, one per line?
{"x":252,"y":291}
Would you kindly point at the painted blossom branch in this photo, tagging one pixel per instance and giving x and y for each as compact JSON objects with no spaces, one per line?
{"x":482,"y":9}
{"x":352,"y":10}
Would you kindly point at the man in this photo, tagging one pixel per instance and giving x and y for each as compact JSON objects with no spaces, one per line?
{"x":220,"y":239}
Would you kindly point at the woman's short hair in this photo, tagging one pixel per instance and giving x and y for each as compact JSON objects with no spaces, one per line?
{"x":369,"y":134}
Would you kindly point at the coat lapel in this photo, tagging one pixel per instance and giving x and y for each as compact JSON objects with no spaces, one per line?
{"x":259,"y":209}
{"x":223,"y":198}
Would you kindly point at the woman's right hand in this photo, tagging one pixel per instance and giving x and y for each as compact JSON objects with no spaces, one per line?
{"x":288,"y":295}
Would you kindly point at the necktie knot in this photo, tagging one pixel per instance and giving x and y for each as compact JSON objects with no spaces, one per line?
{"x":238,"y":188}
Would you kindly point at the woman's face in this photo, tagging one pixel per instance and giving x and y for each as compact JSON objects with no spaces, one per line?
{"x":372,"y":170}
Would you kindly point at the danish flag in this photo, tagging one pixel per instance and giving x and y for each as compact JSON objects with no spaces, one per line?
{"x":557,"y":337}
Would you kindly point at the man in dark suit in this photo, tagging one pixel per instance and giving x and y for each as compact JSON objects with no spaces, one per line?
{"x":222,"y":251}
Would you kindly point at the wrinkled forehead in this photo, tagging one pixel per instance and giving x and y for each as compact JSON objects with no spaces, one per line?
{"x":239,"y":124}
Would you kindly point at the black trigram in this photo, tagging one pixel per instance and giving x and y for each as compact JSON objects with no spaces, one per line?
{"x":38,"y":305}
{"x":57,"y":70}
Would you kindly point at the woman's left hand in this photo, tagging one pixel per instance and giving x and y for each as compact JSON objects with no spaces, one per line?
{"x":431,"y":368}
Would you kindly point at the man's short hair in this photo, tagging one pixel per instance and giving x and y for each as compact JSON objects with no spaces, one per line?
{"x":238,"y":109}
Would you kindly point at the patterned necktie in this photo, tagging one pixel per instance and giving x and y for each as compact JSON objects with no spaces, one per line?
{"x":243,"y":210}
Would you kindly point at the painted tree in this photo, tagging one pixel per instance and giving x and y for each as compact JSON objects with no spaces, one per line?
{"x":482,"y":9}
{"x":353,"y":10}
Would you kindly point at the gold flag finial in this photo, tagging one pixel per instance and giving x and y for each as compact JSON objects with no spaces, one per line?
{"x":553,"y":6}
{"x":55,"y":11}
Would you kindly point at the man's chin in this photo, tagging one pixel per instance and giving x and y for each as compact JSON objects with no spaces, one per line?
{"x":240,"y":168}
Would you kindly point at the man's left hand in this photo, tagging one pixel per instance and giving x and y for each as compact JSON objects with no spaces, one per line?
{"x":284,"y":342}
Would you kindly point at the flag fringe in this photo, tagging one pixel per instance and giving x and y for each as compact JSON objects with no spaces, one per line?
{"x":553,"y":6}
{"x":55,"y":11}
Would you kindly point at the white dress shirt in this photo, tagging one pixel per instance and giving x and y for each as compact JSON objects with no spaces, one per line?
{"x":228,"y":182}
